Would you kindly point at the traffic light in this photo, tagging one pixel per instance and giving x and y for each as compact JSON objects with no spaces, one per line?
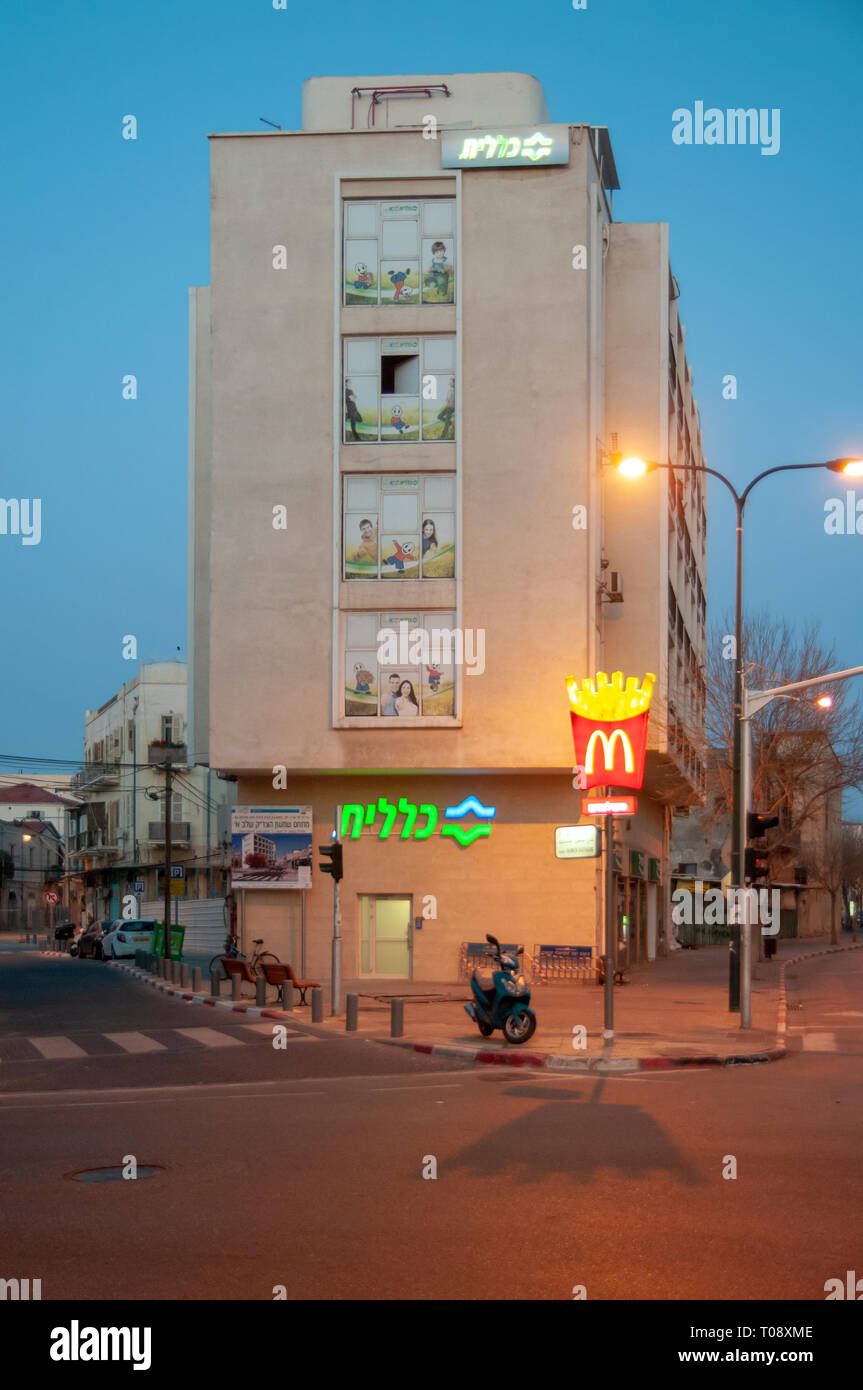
{"x":334,"y":854}
{"x":755,"y":861}
{"x":758,"y":825}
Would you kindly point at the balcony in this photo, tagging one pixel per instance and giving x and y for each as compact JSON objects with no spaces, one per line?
{"x":180,"y":830}
{"x":97,"y":774}
{"x":159,"y":752}
{"x":92,"y":842}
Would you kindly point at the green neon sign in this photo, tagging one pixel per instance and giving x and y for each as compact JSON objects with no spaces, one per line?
{"x":355,"y":818}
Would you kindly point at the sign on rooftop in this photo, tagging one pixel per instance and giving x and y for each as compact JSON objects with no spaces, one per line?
{"x":506,"y":146}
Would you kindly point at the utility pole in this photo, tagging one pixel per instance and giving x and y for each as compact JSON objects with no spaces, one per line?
{"x":168,"y":859}
{"x":610,"y":924}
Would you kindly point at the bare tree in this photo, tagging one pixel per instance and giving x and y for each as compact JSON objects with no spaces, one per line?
{"x":831,"y":863}
{"x":853,"y":888}
{"x":801,"y":754}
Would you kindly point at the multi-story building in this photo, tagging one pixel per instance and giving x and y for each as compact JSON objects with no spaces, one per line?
{"x":118,"y":840}
{"x":31,"y":863}
{"x":424,"y":340}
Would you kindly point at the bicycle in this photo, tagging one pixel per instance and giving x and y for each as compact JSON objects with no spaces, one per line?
{"x":232,"y":949}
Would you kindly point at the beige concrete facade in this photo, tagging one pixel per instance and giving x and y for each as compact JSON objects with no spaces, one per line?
{"x":548,"y":362}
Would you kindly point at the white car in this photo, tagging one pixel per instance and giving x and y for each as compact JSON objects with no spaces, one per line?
{"x":127,"y":937}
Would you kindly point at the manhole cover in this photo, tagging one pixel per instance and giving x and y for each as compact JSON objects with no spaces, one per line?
{"x":114,"y":1174}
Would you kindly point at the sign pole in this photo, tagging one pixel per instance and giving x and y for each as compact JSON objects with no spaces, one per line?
{"x":608,"y":1020}
{"x":336,"y":977}
{"x":168,"y":859}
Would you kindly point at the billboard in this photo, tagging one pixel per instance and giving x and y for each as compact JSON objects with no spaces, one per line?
{"x":271,"y":847}
{"x":609,"y":728}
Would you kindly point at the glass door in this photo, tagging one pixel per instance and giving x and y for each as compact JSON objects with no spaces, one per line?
{"x":385,"y":935}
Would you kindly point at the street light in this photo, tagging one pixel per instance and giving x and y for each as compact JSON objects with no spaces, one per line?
{"x":634,"y":467}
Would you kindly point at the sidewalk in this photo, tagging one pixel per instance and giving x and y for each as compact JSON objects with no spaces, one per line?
{"x":672,"y":1012}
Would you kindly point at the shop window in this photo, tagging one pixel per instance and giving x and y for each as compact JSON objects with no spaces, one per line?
{"x":398,"y":527}
{"x":399,"y":390}
{"x":399,"y":253}
{"x":399,"y":666}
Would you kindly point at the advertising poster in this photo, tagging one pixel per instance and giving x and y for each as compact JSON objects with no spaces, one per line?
{"x":271,"y":848}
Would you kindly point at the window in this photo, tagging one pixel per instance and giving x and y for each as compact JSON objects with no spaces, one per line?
{"x":399,"y":390}
{"x":167,"y":728}
{"x":398,"y":527}
{"x":399,"y":253}
{"x":400,"y":665}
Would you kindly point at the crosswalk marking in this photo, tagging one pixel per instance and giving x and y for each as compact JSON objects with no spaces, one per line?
{"x":819,"y":1042}
{"x":136,"y":1042}
{"x":57,"y":1047}
{"x":209,"y":1037}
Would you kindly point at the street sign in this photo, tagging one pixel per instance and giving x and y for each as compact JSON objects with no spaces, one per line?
{"x":138,"y":885}
{"x":609,"y":806}
{"x":52,"y":898}
{"x":177,"y":871}
{"x":577,"y":842}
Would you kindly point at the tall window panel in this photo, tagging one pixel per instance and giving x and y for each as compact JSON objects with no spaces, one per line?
{"x":398,"y":253}
{"x":399,"y":666}
{"x":399,"y":390}
{"x":398,"y":527}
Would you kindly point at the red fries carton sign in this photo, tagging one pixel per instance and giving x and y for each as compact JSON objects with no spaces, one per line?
{"x":609,"y":728}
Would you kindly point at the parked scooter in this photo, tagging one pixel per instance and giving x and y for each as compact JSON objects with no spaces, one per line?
{"x":504,"y":1003}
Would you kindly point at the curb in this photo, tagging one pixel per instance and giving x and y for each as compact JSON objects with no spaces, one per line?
{"x":547,"y":1061}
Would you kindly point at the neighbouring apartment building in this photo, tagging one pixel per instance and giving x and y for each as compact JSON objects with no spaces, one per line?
{"x":424,"y":340}
{"x":116,"y":839}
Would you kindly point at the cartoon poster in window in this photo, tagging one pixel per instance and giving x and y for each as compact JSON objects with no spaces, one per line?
{"x":438,"y":406}
{"x":400,"y":282}
{"x":361,"y":409}
{"x":400,"y":557}
{"x":438,"y":688}
{"x":361,"y":545}
{"x":361,"y":272}
{"x":437,"y":270}
{"x":400,"y":418}
{"x":361,"y":684}
{"x":438,"y":546}
{"x":400,"y":692}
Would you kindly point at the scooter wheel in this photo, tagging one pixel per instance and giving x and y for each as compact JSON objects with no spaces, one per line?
{"x":486,"y":1029}
{"x":519,"y":1028}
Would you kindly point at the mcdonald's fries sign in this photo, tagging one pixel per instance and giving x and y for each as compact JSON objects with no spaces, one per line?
{"x":609,"y":728}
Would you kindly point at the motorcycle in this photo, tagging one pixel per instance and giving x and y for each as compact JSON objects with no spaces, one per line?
{"x":504,"y":1003}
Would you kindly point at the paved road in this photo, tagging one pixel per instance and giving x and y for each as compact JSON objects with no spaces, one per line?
{"x":309,"y":1175}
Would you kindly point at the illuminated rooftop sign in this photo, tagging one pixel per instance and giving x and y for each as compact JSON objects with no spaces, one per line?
{"x":505,"y":147}
{"x":609,"y":728}
{"x":356,"y":816}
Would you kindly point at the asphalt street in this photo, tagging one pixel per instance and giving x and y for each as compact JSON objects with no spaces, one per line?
{"x":304,"y":1167}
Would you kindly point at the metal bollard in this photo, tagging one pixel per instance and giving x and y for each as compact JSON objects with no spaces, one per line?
{"x":260,"y":989}
{"x":352,"y":1007}
{"x":397,"y":1018}
{"x":288,"y":995}
{"x":235,"y":985}
{"x":185,"y":975}
{"x":196,"y":979}
{"x":215,"y":981}
{"x":175,"y":972}
{"x":317,"y":1006}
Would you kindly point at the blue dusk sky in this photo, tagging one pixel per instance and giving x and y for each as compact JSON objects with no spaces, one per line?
{"x":101,"y":238}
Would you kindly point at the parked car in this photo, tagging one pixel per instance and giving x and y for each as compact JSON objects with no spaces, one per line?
{"x":89,"y":943}
{"x":126,"y":937}
{"x":65,"y":931}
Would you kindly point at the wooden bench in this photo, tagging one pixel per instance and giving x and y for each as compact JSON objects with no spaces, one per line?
{"x":275,"y":973}
{"x":236,"y":965}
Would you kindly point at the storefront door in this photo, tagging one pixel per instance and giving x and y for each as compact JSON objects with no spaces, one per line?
{"x":385,"y":935}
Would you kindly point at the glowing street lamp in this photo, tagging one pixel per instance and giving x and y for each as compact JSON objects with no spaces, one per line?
{"x":634,"y":467}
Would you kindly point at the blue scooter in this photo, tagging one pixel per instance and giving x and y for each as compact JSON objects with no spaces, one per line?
{"x":503,"y":1003}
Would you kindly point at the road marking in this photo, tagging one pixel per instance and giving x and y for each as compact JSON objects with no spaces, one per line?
{"x":135,"y":1042}
{"x":210,"y":1037}
{"x":819,"y":1042}
{"x":433,"y":1086}
{"x":57,"y":1047}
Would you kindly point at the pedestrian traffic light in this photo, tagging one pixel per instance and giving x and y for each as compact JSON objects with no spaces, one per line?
{"x":334,"y":854}
{"x":755,"y":864}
